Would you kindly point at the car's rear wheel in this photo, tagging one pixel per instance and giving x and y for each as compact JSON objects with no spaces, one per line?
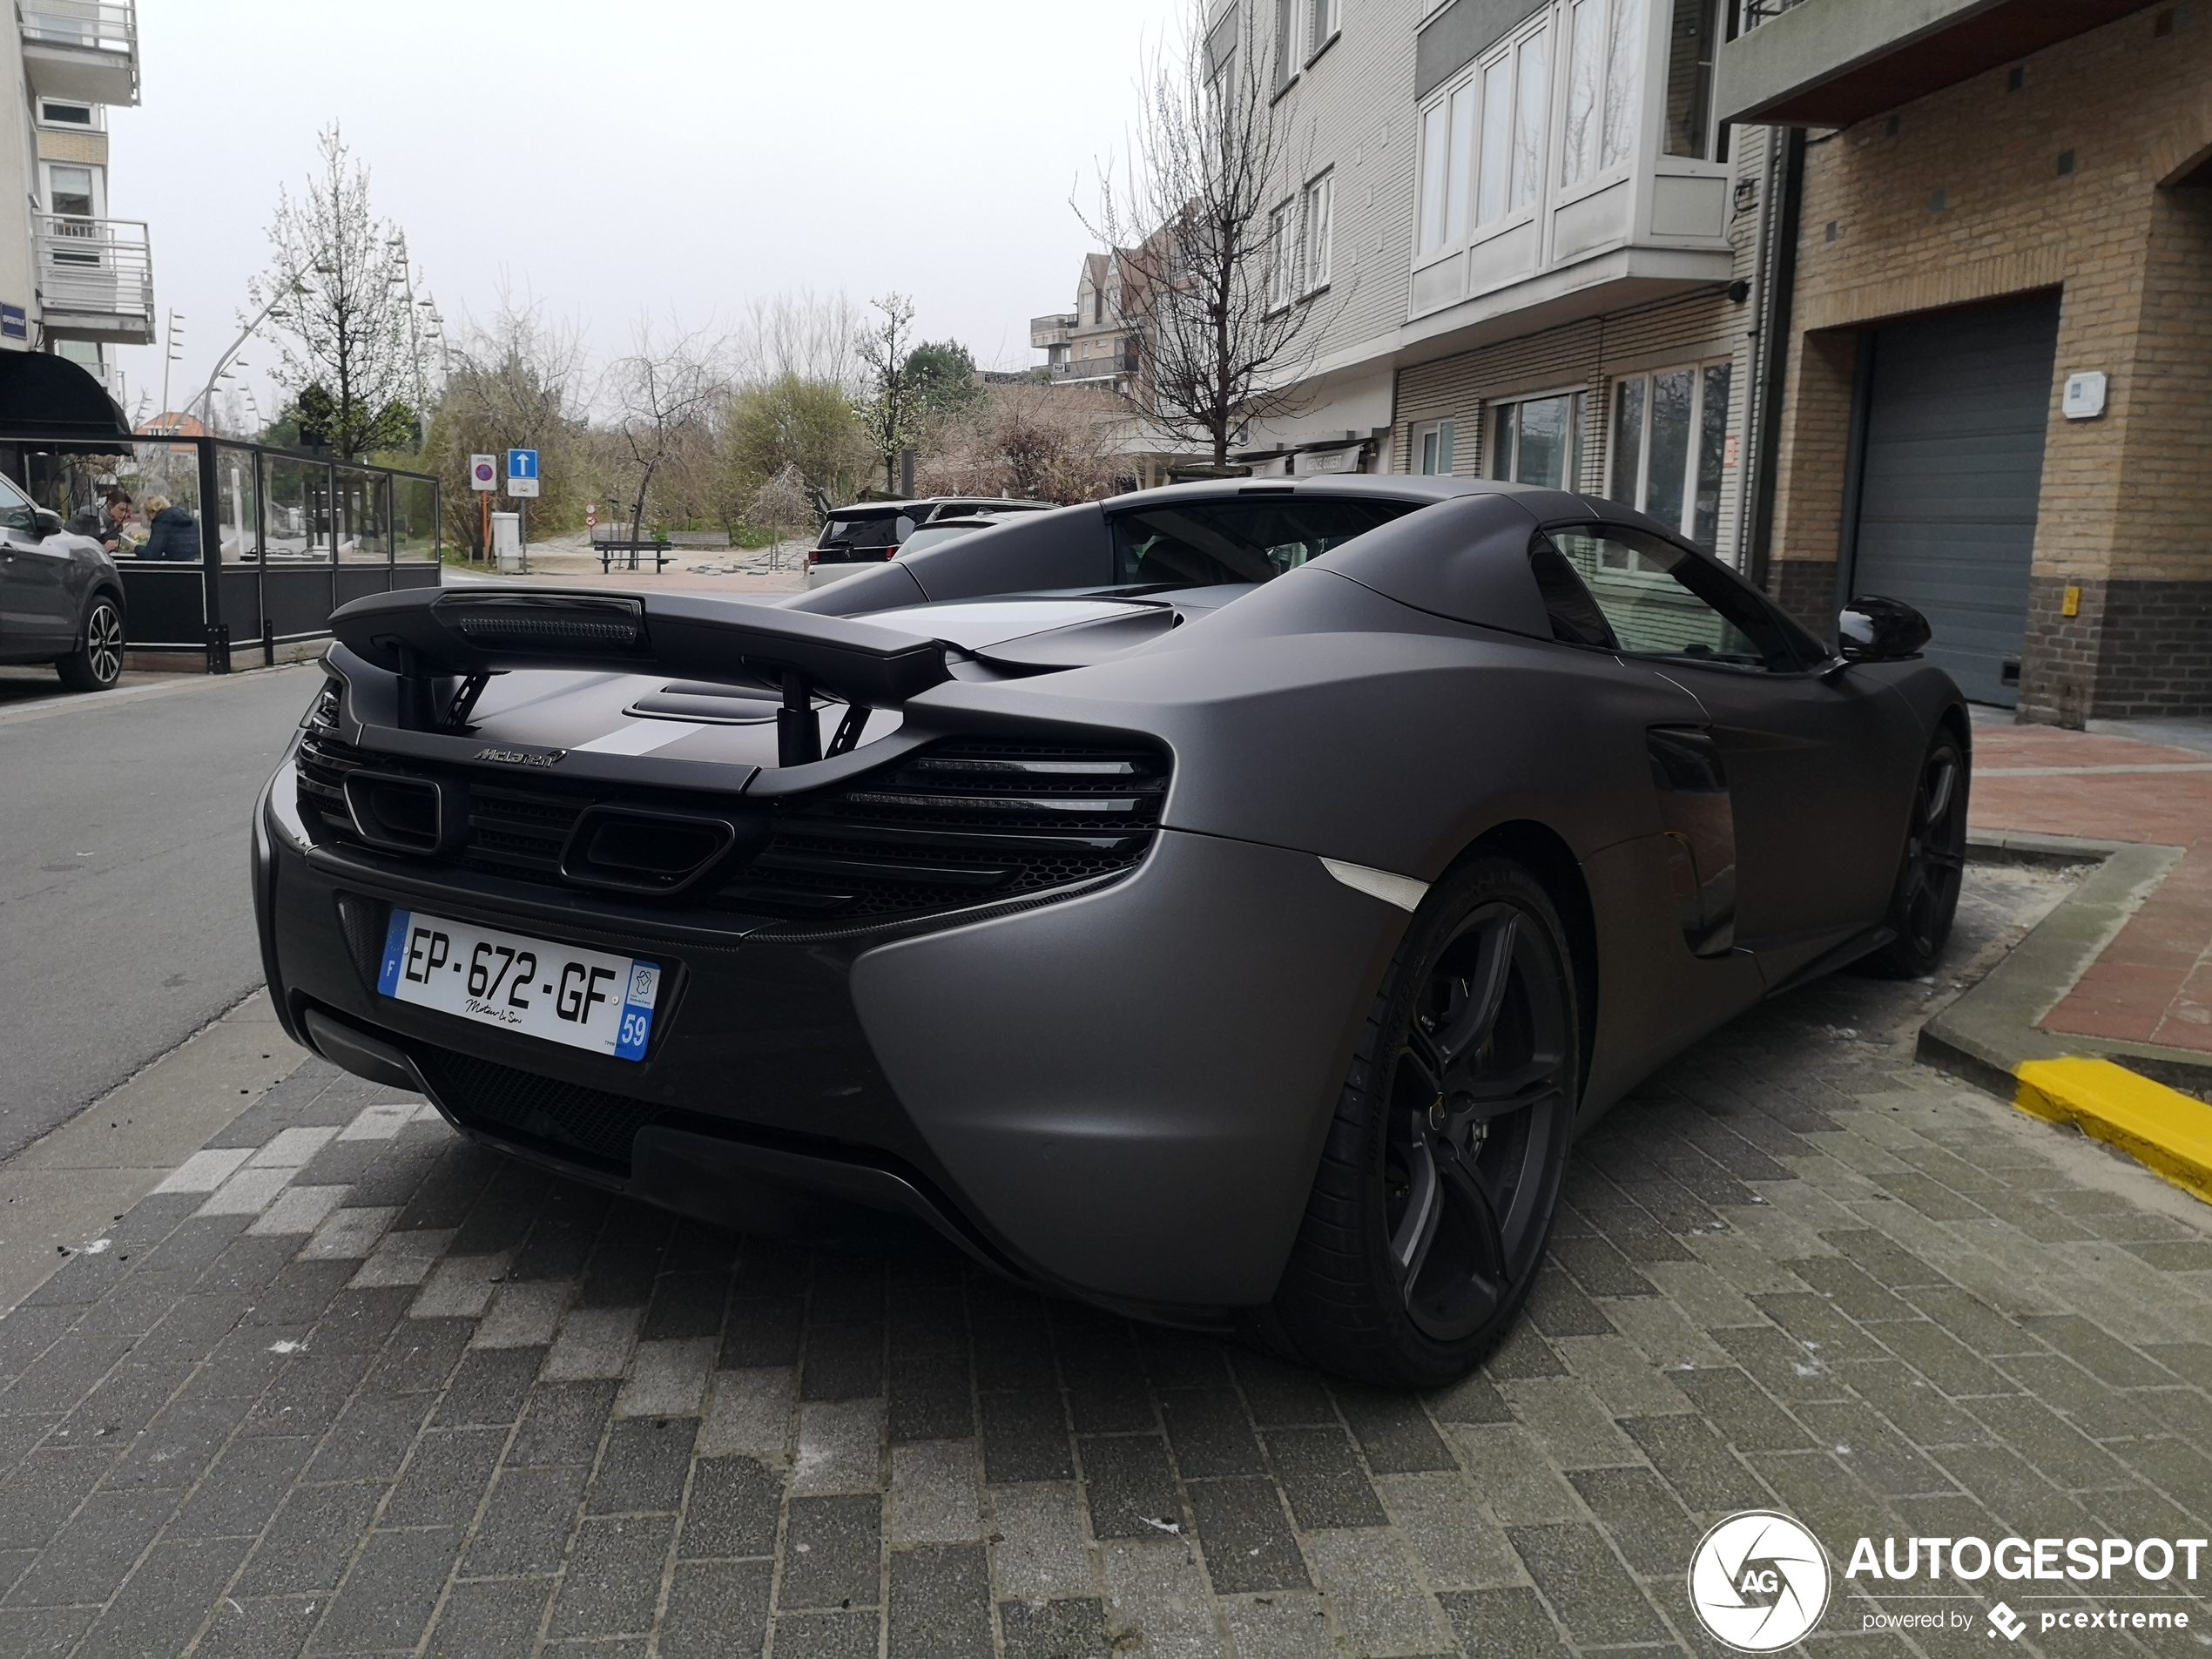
{"x":97,"y":663}
{"x":1441,"y":1171}
{"x":1932,"y":869}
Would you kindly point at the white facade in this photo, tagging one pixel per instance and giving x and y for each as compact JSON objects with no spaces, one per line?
{"x":73,"y":279}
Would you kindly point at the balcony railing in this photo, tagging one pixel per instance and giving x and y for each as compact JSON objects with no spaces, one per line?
{"x":1758,"y":12}
{"x":1094,"y":369}
{"x":95,"y":277}
{"x":83,"y":49}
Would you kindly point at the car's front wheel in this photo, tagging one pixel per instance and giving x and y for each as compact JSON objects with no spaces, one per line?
{"x":1932,"y":868}
{"x":97,"y":663}
{"x":1441,"y":1170}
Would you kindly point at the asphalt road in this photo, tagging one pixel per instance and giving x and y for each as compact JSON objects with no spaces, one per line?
{"x":126,"y":923}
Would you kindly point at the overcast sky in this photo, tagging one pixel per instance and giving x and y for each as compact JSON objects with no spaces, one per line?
{"x":617,"y":156}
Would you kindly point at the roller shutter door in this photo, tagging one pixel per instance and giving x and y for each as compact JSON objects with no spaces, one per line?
{"x":1955,"y":415}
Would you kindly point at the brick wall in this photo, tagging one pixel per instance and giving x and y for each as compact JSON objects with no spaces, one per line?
{"x":1980,"y":193}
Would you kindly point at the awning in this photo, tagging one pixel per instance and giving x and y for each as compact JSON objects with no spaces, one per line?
{"x":45,"y":399}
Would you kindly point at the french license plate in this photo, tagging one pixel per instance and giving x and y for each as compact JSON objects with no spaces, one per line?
{"x":582,"y":998}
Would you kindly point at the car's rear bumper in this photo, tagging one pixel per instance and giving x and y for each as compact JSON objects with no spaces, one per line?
{"x":1122,"y":1093}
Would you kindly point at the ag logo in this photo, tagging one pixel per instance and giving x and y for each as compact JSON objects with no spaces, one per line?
{"x":1758,"y":1581}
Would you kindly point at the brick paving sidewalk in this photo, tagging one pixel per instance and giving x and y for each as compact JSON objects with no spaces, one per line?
{"x":351,"y":1385}
{"x":2154,"y":982}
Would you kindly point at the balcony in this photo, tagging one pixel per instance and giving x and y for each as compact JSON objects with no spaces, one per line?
{"x":1045,"y":332}
{"x":1565,"y":168}
{"x":1829,"y":63}
{"x":83,"y":50}
{"x":1094,"y":368}
{"x":95,"y":279}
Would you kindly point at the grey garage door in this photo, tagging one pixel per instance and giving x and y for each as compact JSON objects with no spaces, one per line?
{"x":1955,"y":419}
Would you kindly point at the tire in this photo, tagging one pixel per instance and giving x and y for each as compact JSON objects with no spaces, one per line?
{"x":1441,"y":1170}
{"x":1929,"y":874}
{"x":97,"y":663}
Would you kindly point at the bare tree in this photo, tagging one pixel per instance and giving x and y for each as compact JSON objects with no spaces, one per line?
{"x":891,"y":412}
{"x":515,"y":383}
{"x":355,"y":355}
{"x":780,"y":506}
{"x":802,"y":336}
{"x":664,"y":390}
{"x":1206,"y":252}
{"x":1055,"y":443}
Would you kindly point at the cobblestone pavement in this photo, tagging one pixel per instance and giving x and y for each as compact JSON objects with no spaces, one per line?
{"x":348,"y":1385}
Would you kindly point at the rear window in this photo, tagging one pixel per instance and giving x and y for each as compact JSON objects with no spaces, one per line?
{"x":1251,"y":539}
{"x":875,"y":529}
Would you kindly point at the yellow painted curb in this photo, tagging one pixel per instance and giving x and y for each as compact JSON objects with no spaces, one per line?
{"x":2160,"y":1128}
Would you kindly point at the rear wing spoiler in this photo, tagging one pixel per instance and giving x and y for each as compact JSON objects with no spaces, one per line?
{"x":427,"y":635}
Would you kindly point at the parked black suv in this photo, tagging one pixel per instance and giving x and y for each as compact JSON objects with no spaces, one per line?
{"x":870,"y":532}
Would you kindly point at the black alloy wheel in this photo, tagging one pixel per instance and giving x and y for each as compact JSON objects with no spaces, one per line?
{"x":97,"y":663}
{"x":1932,"y":868}
{"x":1441,"y":1173}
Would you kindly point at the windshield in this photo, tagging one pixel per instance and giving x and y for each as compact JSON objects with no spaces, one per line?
{"x":873,"y":530}
{"x":932,"y":535}
{"x":1203,"y":543}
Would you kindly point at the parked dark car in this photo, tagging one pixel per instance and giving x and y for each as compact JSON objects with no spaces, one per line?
{"x":61,"y":601}
{"x":1222,"y":903}
{"x":872,"y":532}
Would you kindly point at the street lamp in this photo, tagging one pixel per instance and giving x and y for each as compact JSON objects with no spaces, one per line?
{"x":223,"y":362}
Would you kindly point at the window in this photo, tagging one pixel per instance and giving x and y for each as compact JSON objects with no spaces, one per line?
{"x":1286,"y":41}
{"x":1539,"y":440}
{"x":1282,"y":257}
{"x":1433,"y":449}
{"x":1690,"y":46}
{"x":1599,"y":132}
{"x":69,"y":190}
{"x":1326,"y":19}
{"x":1318,"y":196}
{"x":16,"y":511}
{"x":1628,"y":591}
{"x":1205,"y":543}
{"x":1669,"y":440}
{"x":1481,"y":145}
{"x":74,"y":115}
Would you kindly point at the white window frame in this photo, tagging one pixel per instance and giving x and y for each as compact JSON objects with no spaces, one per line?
{"x":1316,"y":213}
{"x":1443,"y":435}
{"x":98,"y":173}
{"x":1290,"y":40}
{"x":1465,"y":226}
{"x":1282,"y":256}
{"x":93,"y":122}
{"x":1615,"y":57}
{"x":1324,"y":23}
{"x":1697,"y":369}
{"x":1578,"y":430}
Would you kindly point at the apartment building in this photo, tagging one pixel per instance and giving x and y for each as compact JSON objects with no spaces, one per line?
{"x":1531,"y":249}
{"x":1999,"y":353}
{"x":73,"y":280}
{"x":1091,"y":345}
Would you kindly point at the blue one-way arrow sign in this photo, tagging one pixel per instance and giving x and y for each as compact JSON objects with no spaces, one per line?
{"x":522,"y":472}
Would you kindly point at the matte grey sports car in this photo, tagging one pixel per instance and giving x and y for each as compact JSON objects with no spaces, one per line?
{"x":1221,"y":903}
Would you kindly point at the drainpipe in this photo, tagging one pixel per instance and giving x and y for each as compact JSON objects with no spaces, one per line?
{"x":1778,"y":281}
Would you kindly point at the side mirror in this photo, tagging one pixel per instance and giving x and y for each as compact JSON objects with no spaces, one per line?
{"x":49,"y":522}
{"x":1873,"y":630}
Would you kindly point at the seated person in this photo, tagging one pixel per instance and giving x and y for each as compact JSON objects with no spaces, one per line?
{"x":174,"y":533}
{"x":102,"y":523}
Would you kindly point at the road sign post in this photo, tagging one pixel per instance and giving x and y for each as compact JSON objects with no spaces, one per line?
{"x":522,"y":485}
{"x":483,"y":478}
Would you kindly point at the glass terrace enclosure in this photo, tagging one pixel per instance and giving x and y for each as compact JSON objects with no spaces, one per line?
{"x":256,"y":544}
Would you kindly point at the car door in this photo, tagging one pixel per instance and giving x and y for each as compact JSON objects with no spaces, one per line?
{"x":37,"y":602}
{"x":1818,"y":766}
